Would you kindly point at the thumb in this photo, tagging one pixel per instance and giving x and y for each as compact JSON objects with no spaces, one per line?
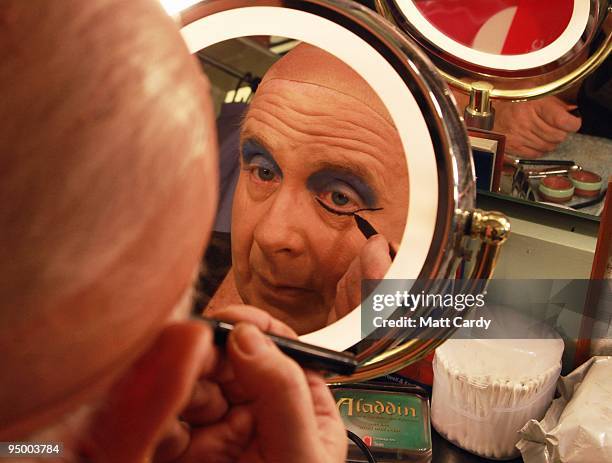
{"x":375,"y":259}
{"x":279,"y":393}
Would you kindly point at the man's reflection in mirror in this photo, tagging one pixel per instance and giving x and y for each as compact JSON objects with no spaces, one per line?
{"x":316,"y":148}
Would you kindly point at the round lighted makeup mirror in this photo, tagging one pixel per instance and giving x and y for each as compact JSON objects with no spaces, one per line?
{"x":506,"y":49}
{"x":441,"y":220}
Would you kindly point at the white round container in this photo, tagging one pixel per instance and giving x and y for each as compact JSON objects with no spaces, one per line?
{"x":484,"y":391}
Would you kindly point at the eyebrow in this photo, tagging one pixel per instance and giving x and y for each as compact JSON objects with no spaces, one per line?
{"x":257,"y":148}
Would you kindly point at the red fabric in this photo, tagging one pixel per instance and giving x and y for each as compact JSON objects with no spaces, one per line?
{"x":537,"y":23}
{"x":462,"y":19}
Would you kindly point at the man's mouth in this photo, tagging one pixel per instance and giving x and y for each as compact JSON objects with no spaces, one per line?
{"x":280,"y":287}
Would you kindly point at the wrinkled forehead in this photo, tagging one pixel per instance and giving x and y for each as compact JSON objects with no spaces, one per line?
{"x":311,"y":65}
{"x":302,"y":114}
{"x":306,"y":125}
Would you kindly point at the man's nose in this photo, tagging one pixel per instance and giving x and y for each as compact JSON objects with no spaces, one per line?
{"x":282,"y":228}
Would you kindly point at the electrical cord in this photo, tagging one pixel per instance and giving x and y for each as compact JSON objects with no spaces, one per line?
{"x":362,"y":446}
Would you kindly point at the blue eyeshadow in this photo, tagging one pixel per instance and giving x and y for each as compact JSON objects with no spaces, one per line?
{"x":251,"y":149}
{"x":328,"y":176}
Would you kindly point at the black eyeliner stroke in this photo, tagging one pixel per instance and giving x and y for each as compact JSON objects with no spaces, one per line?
{"x":347,"y":213}
{"x":365,"y":227}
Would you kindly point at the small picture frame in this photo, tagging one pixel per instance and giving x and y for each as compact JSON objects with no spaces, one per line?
{"x":488,"y":153}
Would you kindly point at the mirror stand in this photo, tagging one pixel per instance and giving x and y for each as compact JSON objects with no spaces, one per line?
{"x":492,"y":229}
{"x":479,"y":113}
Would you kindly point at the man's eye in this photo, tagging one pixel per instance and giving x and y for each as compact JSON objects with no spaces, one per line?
{"x":261,"y":170}
{"x":265,"y":174}
{"x":339,"y":198}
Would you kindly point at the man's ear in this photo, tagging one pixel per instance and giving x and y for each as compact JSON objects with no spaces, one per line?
{"x":142,"y":408}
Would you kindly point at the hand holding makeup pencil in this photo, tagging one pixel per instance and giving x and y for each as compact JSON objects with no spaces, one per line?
{"x":372,"y":263}
{"x":274,"y":410}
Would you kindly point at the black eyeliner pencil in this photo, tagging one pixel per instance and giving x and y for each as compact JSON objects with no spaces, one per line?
{"x":365,"y":227}
{"x":368,"y":230}
{"x":306,"y":355}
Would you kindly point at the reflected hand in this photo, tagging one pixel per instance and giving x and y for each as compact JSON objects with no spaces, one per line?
{"x":276,"y":411}
{"x":533,"y":128}
{"x":372,"y":263}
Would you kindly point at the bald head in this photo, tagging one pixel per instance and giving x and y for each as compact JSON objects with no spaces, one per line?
{"x":311,"y":65}
{"x":107,"y":180}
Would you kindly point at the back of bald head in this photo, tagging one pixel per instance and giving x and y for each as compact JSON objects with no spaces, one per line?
{"x":107,"y":180}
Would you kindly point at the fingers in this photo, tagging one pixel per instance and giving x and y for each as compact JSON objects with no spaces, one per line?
{"x":537,"y":136}
{"x":527,"y":145}
{"x":536,"y":143}
{"x":261,"y":319}
{"x":375,"y":259}
{"x":223,"y":442}
{"x":348,"y":292}
{"x":547,"y":132}
{"x":556,"y":114}
{"x":174,"y":443}
{"x":536,"y":127}
{"x":524,"y":152}
{"x":232,"y":389}
{"x":277,"y":389}
{"x":331,"y":427}
{"x":371,"y":264}
{"x":207,"y":404}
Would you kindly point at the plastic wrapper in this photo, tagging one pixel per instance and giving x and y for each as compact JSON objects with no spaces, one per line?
{"x":577,"y":428}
